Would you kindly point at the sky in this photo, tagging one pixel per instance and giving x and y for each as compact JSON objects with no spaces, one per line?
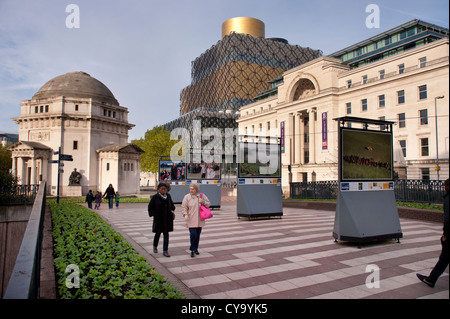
{"x":142,"y":49}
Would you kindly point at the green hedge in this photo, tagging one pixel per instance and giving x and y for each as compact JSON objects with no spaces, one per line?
{"x":109,"y":266}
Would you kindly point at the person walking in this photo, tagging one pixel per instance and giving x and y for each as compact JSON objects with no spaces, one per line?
{"x":97,"y":199}
{"x":190,"y":207}
{"x":442,"y":263}
{"x":90,"y":198}
{"x":161,"y":208}
{"x":117,"y":199}
{"x":110,"y":194}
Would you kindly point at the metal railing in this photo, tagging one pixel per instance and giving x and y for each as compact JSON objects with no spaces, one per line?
{"x":25,"y":278}
{"x":18,"y":194}
{"x":418,"y":191}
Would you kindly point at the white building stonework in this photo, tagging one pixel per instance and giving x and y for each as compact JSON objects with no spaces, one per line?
{"x":401,"y":88}
{"x":79,"y":114}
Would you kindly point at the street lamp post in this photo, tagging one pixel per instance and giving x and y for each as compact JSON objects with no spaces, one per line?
{"x":436,"y":126}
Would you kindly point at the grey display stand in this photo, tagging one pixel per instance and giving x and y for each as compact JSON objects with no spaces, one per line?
{"x":177,"y":192}
{"x":365,"y":216}
{"x":256,"y":200}
{"x":213,"y":192}
{"x":366,"y":208}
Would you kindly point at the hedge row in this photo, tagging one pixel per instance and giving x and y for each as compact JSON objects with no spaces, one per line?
{"x":109,"y":267}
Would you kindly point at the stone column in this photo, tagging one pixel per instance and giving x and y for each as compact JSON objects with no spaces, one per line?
{"x":33,"y":171}
{"x":301,"y":137}
{"x":312,"y":135}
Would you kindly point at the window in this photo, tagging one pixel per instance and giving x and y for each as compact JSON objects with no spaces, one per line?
{"x":36,"y":109}
{"x":364,"y":105}
{"x":104,"y":112}
{"x":423,"y":114}
{"x":401,"y":120}
{"x":401,"y":97}
{"x":423,"y":62}
{"x":382,"y":74}
{"x":268,"y":126}
{"x":349,"y":84}
{"x":75,"y":145}
{"x":381,"y":101}
{"x":46,"y":109}
{"x":76,"y":107}
{"x":349,"y":108}
{"x":41,"y":109}
{"x":425,"y":173}
{"x":364,"y":78}
{"x":132,"y":168}
{"x":424,"y":147}
{"x":107,"y":166}
{"x":401,"y":69}
{"x":109,"y":113}
{"x":114,"y":114}
{"x":306,"y":154}
{"x":423,"y":92}
{"x":403,"y":146}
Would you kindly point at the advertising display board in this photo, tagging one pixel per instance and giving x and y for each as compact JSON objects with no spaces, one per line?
{"x":174,"y":173}
{"x":366,"y":155}
{"x":259,"y":178}
{"x":366,"y":208}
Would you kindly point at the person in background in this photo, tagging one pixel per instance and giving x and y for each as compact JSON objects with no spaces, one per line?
{"x":90,"y":198}
{"x":97,"y":199}
{"x":161,"y":208}
{"x":117,"y":199}
{"x":190,"y":207}
{"x":442,"y":263}
{"x":110,"y":194}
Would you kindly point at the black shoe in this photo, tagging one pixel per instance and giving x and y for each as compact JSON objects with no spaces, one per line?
{"x":196,"y":252}
{"x":425,"y":280}
{"x":192,"y":254}
{"x":166,"y":253}
{"x":155,"y":250}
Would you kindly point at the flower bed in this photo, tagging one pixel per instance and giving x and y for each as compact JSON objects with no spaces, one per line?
{"x":109,"y":267}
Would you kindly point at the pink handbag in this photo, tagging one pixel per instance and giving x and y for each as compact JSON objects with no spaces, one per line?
{"x":205,"y":212}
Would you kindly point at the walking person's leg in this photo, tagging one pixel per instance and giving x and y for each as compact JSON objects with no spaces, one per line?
{"x":155,"y":242}
{"x":166,"y":244}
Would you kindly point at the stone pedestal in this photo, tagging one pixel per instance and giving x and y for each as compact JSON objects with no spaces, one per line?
{"x":72,"y":191}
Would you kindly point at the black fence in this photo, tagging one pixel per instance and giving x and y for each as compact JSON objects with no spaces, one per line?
{"x":418,"y":191}
{"x":18,"y":194}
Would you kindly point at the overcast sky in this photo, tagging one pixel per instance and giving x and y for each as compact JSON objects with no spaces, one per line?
{"x":142,"y":49}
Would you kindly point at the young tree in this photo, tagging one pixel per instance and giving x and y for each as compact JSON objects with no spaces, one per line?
{"x":155,"y":144}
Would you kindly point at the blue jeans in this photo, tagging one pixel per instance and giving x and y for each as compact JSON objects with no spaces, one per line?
{"x":195,"y":238}
{"x":110,"y":202}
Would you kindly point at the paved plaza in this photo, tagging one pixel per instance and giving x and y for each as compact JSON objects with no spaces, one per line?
{"x":294,"y":257}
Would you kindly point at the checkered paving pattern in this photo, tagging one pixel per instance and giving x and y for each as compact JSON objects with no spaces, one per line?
{"x":294,"y":257}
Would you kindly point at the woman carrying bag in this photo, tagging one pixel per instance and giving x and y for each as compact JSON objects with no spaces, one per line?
{"x":161,"y":208}
{"x":190,"y":207}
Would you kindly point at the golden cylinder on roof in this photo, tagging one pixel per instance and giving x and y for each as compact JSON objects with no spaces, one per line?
{"x":245,"y":25}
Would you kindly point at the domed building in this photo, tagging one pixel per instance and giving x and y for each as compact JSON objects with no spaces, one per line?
{"x":76,"y":115}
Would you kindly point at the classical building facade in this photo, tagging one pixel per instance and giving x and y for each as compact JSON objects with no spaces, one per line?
{"x":80,"y":116}
{"x":405,"y":80}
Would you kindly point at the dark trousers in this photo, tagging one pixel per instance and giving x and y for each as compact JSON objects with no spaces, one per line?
{"x":195,"y":238}
{"x":110,"y":202}
{"x":165,"y":243}
{"x":442,"y":263}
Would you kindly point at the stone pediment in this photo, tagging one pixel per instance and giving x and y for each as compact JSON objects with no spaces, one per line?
{"x":121,"y":148}
{"x":27,"y":145}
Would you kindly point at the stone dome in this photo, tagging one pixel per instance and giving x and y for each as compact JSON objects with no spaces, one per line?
{"x":76,"y":84}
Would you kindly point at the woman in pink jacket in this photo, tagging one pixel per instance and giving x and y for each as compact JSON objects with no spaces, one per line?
{"x":190,"y":207}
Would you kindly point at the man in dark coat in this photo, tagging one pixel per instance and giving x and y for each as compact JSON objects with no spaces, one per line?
{"x":161,"y":208}
{"x":442,"y":263}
